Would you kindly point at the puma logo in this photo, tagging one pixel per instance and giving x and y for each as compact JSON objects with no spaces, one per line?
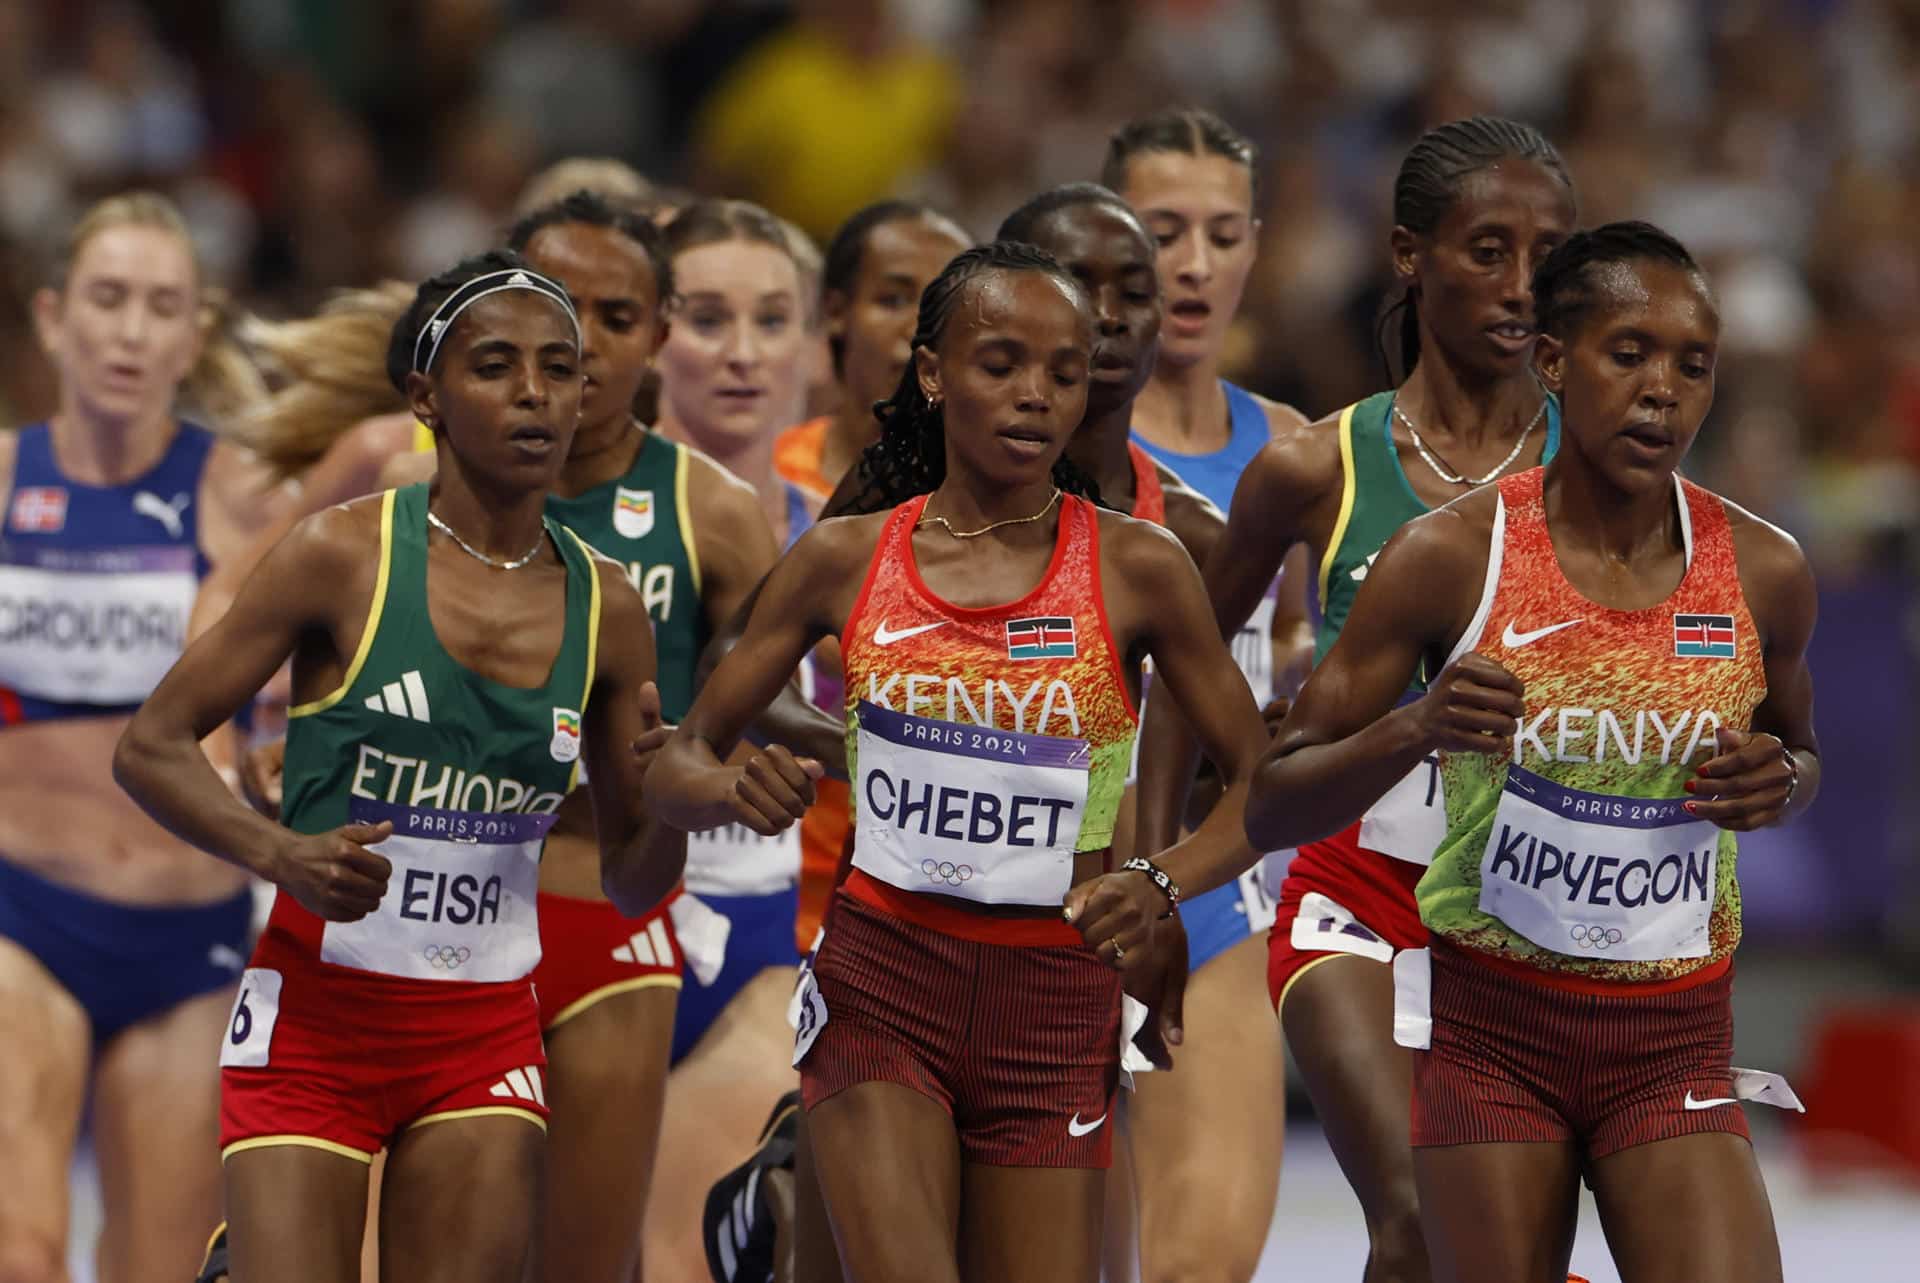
{"x":148,"y":504}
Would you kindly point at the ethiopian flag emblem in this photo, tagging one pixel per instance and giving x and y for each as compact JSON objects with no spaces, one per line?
{"x":632,"y":512}
{"x":566,"y":735}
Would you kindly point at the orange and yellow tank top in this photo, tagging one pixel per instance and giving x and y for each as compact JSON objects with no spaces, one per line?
{"x":1570,"y":851}
{"x":986,"y":744}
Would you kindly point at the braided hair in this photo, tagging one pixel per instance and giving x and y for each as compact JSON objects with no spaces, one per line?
{"x":910,"y":458}
{"x":1429,"y":183}
{"x":1192,"y":131}
{"x":1566,"y":285}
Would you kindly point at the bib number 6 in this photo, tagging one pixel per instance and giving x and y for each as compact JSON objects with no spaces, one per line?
{"x":256,"y":1009}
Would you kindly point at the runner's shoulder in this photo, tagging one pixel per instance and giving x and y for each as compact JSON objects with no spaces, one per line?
{"x":1300,"y":466}
{"x":834,"y":545}
{"x":1141,"y":553}
{"x":1450,"y":543}
{"x":1775,"y":575}
{"x":1193,"y":518}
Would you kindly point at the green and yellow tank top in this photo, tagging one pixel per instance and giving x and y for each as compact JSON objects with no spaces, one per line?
{"x":986,"y":745}
{"x":1571,"y":851}
{"x":468,"y":770}
{"x":1376,"y":499}
{"x":643,"y":521}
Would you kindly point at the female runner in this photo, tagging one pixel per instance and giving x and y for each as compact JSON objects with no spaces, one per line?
{"x":444,"y":703}
{"x":1103,"y":246}
{"x":1623,"y":685}
{"x":693,"y":542}
{"x":732,"y":372}
{"x":1205,"y":1143}
{"x":119,"y":945}
{"x":1477,"y":204}
{"x":875,"y":268}
{"x":959,"y":1051}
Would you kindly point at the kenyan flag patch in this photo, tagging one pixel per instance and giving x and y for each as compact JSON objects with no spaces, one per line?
{"x":1041,"y":637}
{"x":1703,"y":637}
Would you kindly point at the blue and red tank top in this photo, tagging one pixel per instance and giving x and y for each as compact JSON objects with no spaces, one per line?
{"x":96,"y":582}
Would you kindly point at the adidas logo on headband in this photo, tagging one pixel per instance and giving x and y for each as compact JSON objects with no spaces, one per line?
{"x":427,"y":346}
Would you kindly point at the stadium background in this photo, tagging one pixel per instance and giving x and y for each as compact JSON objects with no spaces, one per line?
{"x":324,"y":143}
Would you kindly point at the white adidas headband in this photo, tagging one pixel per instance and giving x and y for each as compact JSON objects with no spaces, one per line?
{"x":513,"y":278}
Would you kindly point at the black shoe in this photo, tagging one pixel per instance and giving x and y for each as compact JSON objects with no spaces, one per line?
{"x":213,"y":1269}
{"x":737,"y":1226}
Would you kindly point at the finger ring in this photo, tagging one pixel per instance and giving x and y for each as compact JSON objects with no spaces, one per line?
{"x":1118,"y":952}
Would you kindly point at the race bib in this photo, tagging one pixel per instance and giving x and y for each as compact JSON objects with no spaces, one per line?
{"x":969,"y":811}
{"x":1323,"y":925}
{"x":94,"y":626}
{"x":1592,"y":875}
{"x":1410,"y":820}
{"x":1413,"y":998}
{"x":460,"y":902}
{"x":256,"y":1009}
{"x":808,"y":1015}
{"x":733,"y":860}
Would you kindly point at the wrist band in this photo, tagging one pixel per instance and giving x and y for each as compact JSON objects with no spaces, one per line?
{"x":1158,"y":876}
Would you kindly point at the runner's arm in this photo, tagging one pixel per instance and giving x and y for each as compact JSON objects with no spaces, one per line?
{"x":641,"y":859}
{"x":1748,"y":784}
{"x":1192,"y":661}
{"x":1268,"y":512}
{"x":298,"y":589}
{"x":1292,"y":638}
{"x":689,"y":784}
{"x":734,"y":568}
{"x":1345,"y":743}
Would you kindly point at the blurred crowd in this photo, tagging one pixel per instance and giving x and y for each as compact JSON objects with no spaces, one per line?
{"x":326,"y":143}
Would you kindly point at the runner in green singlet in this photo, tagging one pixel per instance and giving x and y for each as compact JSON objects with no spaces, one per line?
{"x":1477,"y":203}
{"x":455,"y":654}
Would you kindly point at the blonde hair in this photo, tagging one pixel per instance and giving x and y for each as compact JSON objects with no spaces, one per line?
{"x":223,"y":382}
{"x":329,"y":372}
{"x":614,"y":181}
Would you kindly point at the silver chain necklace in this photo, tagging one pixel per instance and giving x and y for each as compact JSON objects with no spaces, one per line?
{"x":975,"y":534}
{"x":482,"y":557}
{"x":1454,"y":478}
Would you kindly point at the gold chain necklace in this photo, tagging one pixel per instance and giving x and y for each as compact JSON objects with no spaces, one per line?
{"x":975,"y":534}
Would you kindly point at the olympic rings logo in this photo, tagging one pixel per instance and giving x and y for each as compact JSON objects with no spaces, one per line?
{"x":1596,"y":937}
{"x":447,"y":957}
{"x":946,"y":871}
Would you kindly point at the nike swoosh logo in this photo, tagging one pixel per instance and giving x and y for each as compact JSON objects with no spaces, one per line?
{"x":1691,"y":1103}
{"x":1513,"y":640}
{"x":884,"y":636}
{"x":1077,"y":1128}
